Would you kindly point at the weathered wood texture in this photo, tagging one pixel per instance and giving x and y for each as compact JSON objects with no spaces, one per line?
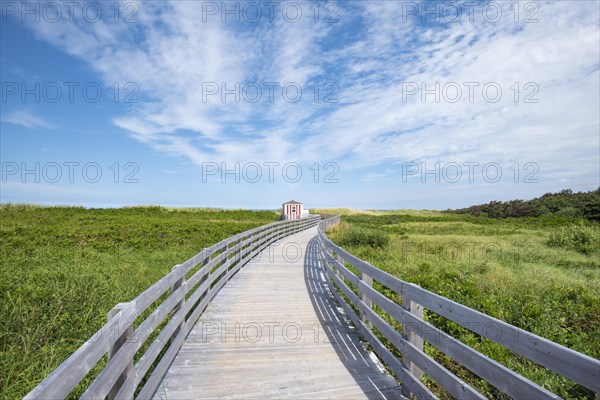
{"x":274,"y":331}
{"x":277,"y":330}
{"x":185,"y":292}
{"x":569,"y":363}
{"x":112,"y":394}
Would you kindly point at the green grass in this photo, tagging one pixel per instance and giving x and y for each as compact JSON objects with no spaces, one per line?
{"x":63,"y":268}
{"x":540,"y":274}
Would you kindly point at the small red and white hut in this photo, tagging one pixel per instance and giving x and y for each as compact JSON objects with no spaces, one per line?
{"x":292,"y":210}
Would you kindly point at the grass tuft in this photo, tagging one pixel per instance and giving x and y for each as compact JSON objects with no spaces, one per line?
{"x":581,"y":238}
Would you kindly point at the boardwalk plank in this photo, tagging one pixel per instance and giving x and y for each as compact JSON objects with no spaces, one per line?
{"x":275,"y":331}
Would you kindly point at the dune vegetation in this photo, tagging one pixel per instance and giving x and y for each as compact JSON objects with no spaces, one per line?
{"x":63,"y":268}
{"x":541,"y":274}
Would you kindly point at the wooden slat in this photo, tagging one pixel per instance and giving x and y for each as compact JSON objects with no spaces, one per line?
{"x":576,"y":366}
{"x":417,"y":388}
{"x":496,"y":374}
{"x":154,"y":381}
{"x":64,"y":379}
{"x":112,"y":390}
{"x":179,"y":283}
{"x":116,"y":365}
{"x":455,"y":386}
{"x":417,"y":310}
{"x":274,"y":290}
{"x":157,"y":375}
{"x":146,"y":361}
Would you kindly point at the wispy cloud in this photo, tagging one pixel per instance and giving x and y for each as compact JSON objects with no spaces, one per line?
{"x":370,"y":54}
{"x":27,"y":119}
{"x":372,"y":177}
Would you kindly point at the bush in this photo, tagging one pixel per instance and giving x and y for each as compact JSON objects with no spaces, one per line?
{"x":565,"y":203}
{"x":363,"y":237}
{"x":569,"y":211}
{"x":581,"y":238}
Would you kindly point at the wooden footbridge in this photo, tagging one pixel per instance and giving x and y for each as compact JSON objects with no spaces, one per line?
{"x":280,"y":311}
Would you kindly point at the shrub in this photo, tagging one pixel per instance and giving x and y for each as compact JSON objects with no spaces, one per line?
{"x":581,"y":238}
{"x":363,"y":237}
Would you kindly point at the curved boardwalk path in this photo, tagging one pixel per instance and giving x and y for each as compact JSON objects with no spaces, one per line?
{"x":274,"y":331}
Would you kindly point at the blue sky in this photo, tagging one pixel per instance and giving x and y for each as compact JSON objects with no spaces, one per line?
{"x":382,"y":105}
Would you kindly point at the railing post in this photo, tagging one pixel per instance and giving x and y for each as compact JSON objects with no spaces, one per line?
{"x":176,"y":286}
{"x":266,"y":238}
{"x":412,"y":336}
{"x":337,"y":270}
{"x":241,"y":248}
{"x":112,"y":394}
{"x":238,"y":256}
{"x":367,"y":280}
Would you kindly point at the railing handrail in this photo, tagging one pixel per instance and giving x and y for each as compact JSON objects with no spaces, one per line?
{"x":569,"y":363}
{"x":119,"y":378}
{"x":186,"y":299}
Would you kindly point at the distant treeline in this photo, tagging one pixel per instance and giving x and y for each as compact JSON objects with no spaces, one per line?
{"x":565,"y":203}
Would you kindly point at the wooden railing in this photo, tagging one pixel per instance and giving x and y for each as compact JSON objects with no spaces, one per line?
{"x":168,"y":310}
{"x":356,"y":292}
{"x":176,"y":302}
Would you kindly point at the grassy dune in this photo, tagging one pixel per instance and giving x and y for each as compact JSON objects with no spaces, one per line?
{"x":63,"y":268}
{"x":510,"y":269}
{"x":351,"y":211}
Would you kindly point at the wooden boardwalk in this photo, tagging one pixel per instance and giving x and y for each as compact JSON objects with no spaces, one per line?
{"x":275,"y":331}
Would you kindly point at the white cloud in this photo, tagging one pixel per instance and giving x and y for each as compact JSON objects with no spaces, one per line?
{"x":27,"y":119}
{"x":553,"y":59}
{"x":370,"y":54}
